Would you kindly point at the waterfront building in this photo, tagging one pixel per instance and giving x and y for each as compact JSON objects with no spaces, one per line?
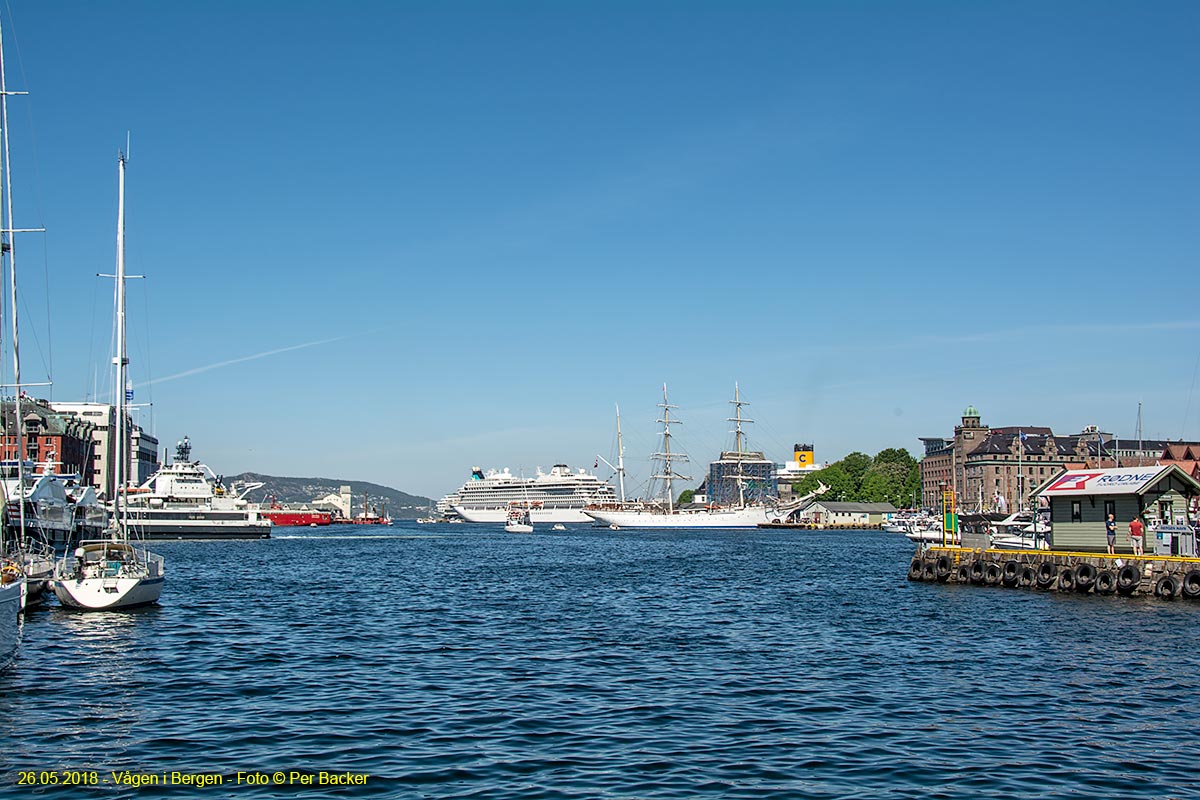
{"x":944,"y":465}
{"x":995,"y":469}
{"x":49,"y":436}
{"x":1081,"y":500}
{"x":846,"y":515}
{"x":1186,"y":455}
{"x":141,"y":460}
{"x":755,"y":473}
{"x":1001,"y":472}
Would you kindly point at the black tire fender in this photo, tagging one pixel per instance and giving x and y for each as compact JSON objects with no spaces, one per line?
{"x":1085,"y":577}
{"x":1128,"y":579}
{"x":1066,"y":580}
{"x":1191,"y":584}
{"x":943,"y":567}
{"x":1166,"y":587}
{"x":1027,"y":577}
{"x":914,"y":570}
{"x":1106,"y":582}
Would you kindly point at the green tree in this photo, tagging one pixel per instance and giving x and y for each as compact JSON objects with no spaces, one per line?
{"x":895,"y":455}
{"x":912,"y":485}
{"x":685,"y":497}
{"x":885,"y":482}
{"x":855,"y":466}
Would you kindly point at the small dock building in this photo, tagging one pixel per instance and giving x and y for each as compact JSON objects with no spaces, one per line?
{"x":1081,"y":500}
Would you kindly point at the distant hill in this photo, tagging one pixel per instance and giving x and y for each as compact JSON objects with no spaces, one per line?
{"x":398,"y":504}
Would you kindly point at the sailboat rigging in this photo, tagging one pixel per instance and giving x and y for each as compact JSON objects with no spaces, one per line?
{"x":14,"y":558}
{"x":115,"y":572}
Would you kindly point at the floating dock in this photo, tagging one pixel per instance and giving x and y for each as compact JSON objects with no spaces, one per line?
{"x":1164,"y":577}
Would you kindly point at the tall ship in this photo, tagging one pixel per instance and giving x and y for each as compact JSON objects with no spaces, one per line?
{"x":662,"y":512}
{"x":186,"y":500}
{"x":557,"y":496}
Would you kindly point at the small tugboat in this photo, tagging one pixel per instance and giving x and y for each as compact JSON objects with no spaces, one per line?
{"x":369,"y":515}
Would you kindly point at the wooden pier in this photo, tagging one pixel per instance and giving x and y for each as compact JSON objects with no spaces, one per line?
{"x":1164,"y":577}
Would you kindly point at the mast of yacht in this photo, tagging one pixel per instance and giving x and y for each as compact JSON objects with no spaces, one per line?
{"x":120,"y":360}
{"x":738,"y":419}
{"x":8,"y":245}
{"x":666,"y":456}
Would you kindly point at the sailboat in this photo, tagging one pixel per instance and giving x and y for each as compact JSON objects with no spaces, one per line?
{"x":520,"y":514}
{"x":661,"y":512}
{"x":117,"y":571}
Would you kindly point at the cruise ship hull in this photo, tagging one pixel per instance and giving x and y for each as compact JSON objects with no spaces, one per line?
{"x":536,"y":515}
{"x":750,"y":517}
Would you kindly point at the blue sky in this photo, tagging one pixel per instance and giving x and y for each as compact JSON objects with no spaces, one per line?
{"x":463,"y":231}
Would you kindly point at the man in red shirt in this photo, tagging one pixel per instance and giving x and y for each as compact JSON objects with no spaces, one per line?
{"x":1137,"y":532}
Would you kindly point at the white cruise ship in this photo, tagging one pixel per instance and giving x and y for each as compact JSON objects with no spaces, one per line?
{"x":557,"y":496}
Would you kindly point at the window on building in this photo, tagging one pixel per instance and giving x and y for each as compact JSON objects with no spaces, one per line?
{"x":1076,"y":511}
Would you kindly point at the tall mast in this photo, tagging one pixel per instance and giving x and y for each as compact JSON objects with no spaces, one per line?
{"x":120,"y":360}
{"x":666,"y":456}
{"x":737,"y":419}
{"x":620,"y":456}
{"x":8,"y":245}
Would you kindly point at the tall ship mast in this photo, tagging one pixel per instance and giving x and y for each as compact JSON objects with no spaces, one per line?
{"x":668,"y":475}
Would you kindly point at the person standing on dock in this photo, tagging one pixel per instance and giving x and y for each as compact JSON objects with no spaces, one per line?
{"x":1110,"y":531}
{"x":1136,"y":533}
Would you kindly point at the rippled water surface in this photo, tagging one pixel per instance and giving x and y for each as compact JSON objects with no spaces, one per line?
{"x":460,"y":661}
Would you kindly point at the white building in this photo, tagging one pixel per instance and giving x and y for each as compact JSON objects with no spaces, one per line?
{"x":142,"y":461}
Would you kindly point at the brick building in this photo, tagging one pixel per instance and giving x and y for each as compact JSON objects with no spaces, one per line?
{"x":49,"y":436}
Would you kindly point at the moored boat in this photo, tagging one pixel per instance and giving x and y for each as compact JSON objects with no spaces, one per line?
{"x":117,"y":571}
{"x":12,"y":603}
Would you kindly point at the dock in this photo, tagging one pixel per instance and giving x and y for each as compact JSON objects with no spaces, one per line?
{"x":1164,"y":577}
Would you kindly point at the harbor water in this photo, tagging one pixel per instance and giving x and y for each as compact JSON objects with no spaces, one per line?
{"x":462,"y":662}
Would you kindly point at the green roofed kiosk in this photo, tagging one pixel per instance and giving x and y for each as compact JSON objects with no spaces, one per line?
{"x":1080,"y":500}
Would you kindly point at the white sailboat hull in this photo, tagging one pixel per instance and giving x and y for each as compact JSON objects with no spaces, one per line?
{"x":546,"y":515}
{"x":104,"y":594}
{"x":749,"y":517}
{"x":103,"y":576}
{"x":12,"y":602}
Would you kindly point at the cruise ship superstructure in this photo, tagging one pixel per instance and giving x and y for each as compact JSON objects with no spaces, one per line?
{"x":557,"y":496}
